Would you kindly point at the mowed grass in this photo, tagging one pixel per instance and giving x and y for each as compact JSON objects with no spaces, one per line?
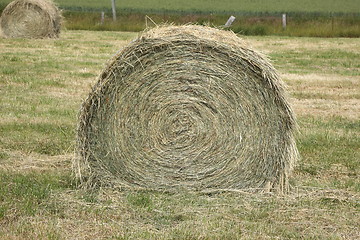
{"x":42,"y":85}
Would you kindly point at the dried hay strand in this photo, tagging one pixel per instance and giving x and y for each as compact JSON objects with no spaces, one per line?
{"x":187,"y":107}
{"x":31,"y":19}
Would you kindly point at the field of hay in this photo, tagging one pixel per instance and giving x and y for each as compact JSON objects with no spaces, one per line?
{"x":43,"y":83}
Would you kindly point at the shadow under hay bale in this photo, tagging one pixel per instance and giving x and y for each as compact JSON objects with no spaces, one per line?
{"x":187,"y":107}
{"x":31,"y":19}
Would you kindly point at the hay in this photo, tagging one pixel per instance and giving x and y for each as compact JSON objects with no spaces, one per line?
{"x":187,"y":107}
{"x":31,"y":19}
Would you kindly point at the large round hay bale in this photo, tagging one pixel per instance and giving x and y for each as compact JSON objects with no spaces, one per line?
{"x":187,"y":107}
{"x":31,"y":19}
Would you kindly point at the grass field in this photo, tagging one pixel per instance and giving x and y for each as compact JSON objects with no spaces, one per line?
{"x":349,"y":6}
{"x":311,"y":18}
{"x":340,"y":26}
{"x":43,"y":83}
{"x":228,"y":6}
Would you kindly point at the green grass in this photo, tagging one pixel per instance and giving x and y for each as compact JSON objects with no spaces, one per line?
{"x":142,"y":200}
{"x":220,"y":6}
{"x":205,"y":6}
{"x":319,"y":137}
{"x":28,"y":193}
{"x":49,"y":139}
{"x":298,"y":25}
{"x":44,"y":82}
{"x":335,"y":61}
{"x":312,"y":18}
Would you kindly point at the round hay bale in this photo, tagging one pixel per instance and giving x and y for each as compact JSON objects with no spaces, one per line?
{"x":187,"y":107}
{"x":31,"y":19}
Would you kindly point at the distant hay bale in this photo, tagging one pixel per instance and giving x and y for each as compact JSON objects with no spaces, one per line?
{"x":187,"y":107}
{"x":31,"y":19}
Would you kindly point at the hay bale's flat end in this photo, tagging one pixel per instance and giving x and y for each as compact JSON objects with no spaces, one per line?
{"x":31,"y":19}
{"x":187,"y":107}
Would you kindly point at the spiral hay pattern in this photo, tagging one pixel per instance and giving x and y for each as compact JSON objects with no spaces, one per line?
{"x":187,"y":107}
{"x":31,"y":19}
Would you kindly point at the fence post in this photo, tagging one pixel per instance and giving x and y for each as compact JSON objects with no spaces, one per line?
{"x":113,"y":9}
{"x":284,"y":21}
{"x":229,"y":21}
{"x":102,"y":18}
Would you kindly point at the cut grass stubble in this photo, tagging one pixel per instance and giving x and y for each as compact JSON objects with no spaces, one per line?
{"x":323,"y":204}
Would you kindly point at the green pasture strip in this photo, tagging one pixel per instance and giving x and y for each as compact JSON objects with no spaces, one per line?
{"x":308,"y":61}
{"x":225,"y":5}
{"x":212,"y":6}
{"x":322,"y":26}
{"x":325,"y":6}
{"x":299,"y":26}
{"x":310,"y":18}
